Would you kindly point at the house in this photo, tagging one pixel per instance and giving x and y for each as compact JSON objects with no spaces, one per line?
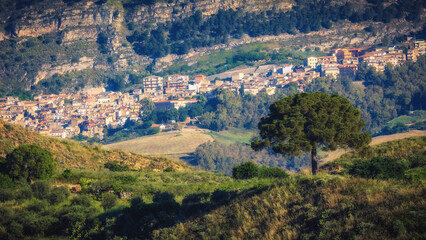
{"x":170,"y":104}
{"x":236,"y":76}
{"x":343,"y":54}
{"x":348,"y":71}
{"x":311,"y":62}
{"x":152,"y":83}
{"x":412,"y":55}
{"x":420,"y":46}
{"x":286,"y":68}
{"x":331,"y":72}
{"x":326,"y":59}
{"x":137,"y":91}
{"x":201,"y":79}
{"x":177,"y":82}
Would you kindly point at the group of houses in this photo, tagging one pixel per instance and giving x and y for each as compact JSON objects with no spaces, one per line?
{"x":89,"y":113}
{"x":264,"y":79}
{"x":66,"y":116}
{"x":345,"y":62}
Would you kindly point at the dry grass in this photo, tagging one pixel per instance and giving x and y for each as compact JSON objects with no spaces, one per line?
{"x":164,"y":143}
{"x":72,"y":154}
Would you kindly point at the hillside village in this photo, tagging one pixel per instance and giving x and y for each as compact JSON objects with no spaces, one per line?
{"x":88,"y":113}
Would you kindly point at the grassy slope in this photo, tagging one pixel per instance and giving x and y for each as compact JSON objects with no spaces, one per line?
{"x":329,"y":156}
{"x":145,"y":184}
{"x":401,"y":150}
{"x":233,"y":135}
{"x":324,"y":206}
{"x":71,"y":154}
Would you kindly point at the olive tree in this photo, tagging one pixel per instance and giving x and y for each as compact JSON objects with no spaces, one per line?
{"x":306,"y":121}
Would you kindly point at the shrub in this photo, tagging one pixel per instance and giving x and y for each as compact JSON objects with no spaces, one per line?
{"x":82,"y":200}
{"x":108,"y":200}
{"x":274,"y":172}
{"x":116,"y":167}
{"x":67,"y":174}
{"x":24,"y":193}
{"x":41,"y":189}
{"x":5,"y":181}
{"x":245,"y":171}
{"x":6,"y":195}
{"x":377,"y":168}
{"x":58,"y":195}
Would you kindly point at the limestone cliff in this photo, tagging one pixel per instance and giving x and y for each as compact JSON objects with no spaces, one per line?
{"x":57,"y":37}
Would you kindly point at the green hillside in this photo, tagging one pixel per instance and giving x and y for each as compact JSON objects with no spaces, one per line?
{"x":202,"y":205}
{"x":72,"y":154}
{"x":325,"y":206}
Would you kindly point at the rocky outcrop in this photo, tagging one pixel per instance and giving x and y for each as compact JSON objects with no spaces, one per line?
{"x":49,"y":70}
{"x":59,"y":16}
{"x":163,"y":12}
{"x":85,"y":20}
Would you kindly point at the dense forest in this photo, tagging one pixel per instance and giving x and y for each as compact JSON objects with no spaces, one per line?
{"x":180,"y":36}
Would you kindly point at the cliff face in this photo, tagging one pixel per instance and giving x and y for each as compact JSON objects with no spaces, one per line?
{"x":164,"y":12}
{"x":59,"y":17}
{"x":78,"y":25}
{"x":89,"y":16}
{"x":53,"y":37}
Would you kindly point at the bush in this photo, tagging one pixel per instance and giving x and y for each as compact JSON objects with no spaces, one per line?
{"x":377,"y":168}
{"x":5,"y":181}
{"x":67,"y":174}
{"x":274,"y":172}
{"x":41,"y":189}
{"x":115,"y":167}
{"x":58,"y":195}
{"x":82,"y":200}
{"x":6,"y":195}
{"x":24,"y":193}
{"x":245,"y":171}
{"x":108,"y":200}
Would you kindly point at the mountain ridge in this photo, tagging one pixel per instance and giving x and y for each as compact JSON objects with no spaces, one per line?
{"x":44,"y":39}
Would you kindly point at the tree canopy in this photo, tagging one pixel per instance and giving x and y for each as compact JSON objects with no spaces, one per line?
{"x":29,"y":162}
{"x":305,"y":121}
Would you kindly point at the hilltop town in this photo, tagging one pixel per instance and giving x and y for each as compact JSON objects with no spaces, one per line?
{"x":89,"y":112}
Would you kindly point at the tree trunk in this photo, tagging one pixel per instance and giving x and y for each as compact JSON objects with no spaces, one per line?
{"x":314,"y":158}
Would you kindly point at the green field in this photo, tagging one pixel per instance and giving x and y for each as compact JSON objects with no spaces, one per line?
{"x":417,"y":116}
{"x":233,"y":135}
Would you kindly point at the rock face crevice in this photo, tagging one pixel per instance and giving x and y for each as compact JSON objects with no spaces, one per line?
{"x":80,"y":25}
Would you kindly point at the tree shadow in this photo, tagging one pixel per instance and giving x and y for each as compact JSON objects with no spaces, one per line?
{"x":189,"y":159}
{"x":141,"y":219}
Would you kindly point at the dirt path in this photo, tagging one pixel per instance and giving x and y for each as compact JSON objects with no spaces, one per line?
{"x":376,"y":140}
